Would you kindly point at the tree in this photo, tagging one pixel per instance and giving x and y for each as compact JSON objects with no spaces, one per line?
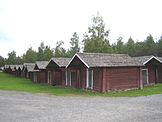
{"x":19,"y":60}
{"x":2,"y":61}
{"x":40,"y":54}
{"x":59,"y":50}
{"x":150,"y":46}
{"x":120,"y":45}
{"x":96,"y":40}
{"x":159,"y":47}
{"x":130,"y":47}
{"x":45,"y":53}
{"x":11,"y":58}
{"x":30,"y":56}
{"x":74,"y":45}
{"x":48,"y":53}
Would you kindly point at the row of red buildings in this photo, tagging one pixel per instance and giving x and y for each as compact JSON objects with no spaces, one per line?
{"x":95,"y":71}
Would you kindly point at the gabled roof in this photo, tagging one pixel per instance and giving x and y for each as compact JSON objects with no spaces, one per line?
{"x":6,"y":66}
{"x":2,"y":68}
{"x":143,"y":60}
{"x":14,"y":67}
{"x":41,"y":64}
{"x":61,"y":62}
{"x":11,"y":66}
{"x":105,"y":60}
{"x":160,"y":58}
{"x":18,"y":66}
{"x":29,"y":66}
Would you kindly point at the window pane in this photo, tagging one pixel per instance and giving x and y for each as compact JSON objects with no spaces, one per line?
{"x":90,"y":78}
{"x":144,"y":76}
{"x":68,"y":77}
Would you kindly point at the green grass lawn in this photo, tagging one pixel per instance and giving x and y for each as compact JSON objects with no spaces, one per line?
{"x":9,"y":82}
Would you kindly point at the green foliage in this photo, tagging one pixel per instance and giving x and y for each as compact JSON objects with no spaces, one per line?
{"x":149,"y":46}
{"x":159,"y":47}
{"x":45,"y":53}
{"x":119,"y":47}
{"x":59,"y":50}
{"x":74,"y":45}
{"x":48,"y":53}
{"x":130,"y":47}
{"x":96,"y":40}
{"x":30,"y":56}
{"x":11,"y":58}
{"x":40,"y":54}
{"x":2,"y":61}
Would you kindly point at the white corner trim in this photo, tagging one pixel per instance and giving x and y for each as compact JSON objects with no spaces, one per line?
{"x":146,"y":69}
{"x":66,"y":78}
{"x":53,"y":62}
{"x":151,"y":59}
{"x":70,"y":78}
{"x":70,"y":61}
{"x":49,"y":62}
{"x":87,"y":78}
{"x":79,"y":59}
{"x":92,"y":80}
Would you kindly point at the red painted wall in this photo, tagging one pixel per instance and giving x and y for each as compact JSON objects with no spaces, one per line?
{"x":159,"y":74}
{"x":151,"y":75}
{"x":120,"y":78}
{"x":56,"y":77}
{"x":41,"y":77}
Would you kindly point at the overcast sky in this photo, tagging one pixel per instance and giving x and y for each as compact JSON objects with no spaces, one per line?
{"x":26,"y":23}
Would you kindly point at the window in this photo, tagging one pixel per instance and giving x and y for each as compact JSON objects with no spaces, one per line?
{"x":89,"y":83}
{"x":157,"y":75}
{"x":35,"y":77}
{"x":68,"y":78}
{"x":145,"y":76}
{"x":49,"y":77}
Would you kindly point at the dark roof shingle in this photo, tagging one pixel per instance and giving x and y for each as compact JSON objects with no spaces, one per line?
{"x":107,"y":60}
{"x":29,"y":66}
{"x":61,"y":62}
{"x":41,"y":64}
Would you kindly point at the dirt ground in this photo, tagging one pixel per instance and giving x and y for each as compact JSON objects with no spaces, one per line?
{"x":25,"y":107}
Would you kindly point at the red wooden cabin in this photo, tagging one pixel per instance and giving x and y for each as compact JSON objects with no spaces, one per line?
{"x":40,"y":73}
{"x":107,"y":72}
{"x":56,"y":71}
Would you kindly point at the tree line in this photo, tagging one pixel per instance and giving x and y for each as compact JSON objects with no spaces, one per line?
{"x":95,"y":40}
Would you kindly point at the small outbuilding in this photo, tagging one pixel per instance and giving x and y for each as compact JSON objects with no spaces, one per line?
{"x":108,"y":72}
{"x":151,"y":69}
{"x":28,"y":70}
{"x":56,"y":71}
{"x":40,"y":73}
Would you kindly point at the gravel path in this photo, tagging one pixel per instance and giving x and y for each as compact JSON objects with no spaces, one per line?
{"x":25,"y":107}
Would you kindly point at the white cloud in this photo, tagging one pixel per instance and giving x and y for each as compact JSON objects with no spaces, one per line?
{"x":29,"y":22}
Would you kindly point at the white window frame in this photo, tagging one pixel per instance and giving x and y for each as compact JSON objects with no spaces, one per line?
{"x":66,"y":78}
{"x":157,"y":75}
{"x":146,"y":75}
{"x":49,"y":79}
{"x":66,"y":82}
{"x":70,"y":78}
{"x":27,"y":74}
{"x":87,"y":79}
{"x":35,"y":77}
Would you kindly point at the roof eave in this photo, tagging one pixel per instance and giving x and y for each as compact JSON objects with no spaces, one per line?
{"x":53,"y":62}
{"x":79,"y":59}
{"x":151,"y":59}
